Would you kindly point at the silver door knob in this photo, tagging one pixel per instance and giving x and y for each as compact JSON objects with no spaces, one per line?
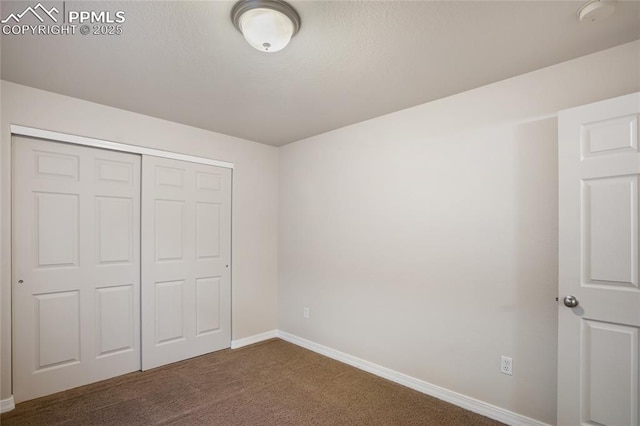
{"x":570,"y":301}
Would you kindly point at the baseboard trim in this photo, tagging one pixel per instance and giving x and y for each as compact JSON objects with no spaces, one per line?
{"x":466,"y":402}
{"x":7,"y":404}
{"x":271,"y":334}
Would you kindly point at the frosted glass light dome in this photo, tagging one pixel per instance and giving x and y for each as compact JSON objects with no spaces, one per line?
{"x":267,"y":25}
{"x":266,"y":29}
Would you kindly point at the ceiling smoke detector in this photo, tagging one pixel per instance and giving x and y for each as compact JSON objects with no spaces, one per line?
{"x":595,"y":10}
{"x":267,"y":25}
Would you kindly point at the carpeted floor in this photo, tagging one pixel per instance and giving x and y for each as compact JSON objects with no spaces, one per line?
{"x":269,"y":383}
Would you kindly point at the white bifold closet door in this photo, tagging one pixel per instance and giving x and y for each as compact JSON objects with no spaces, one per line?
{"x":186,"y":255}
{"x":117,"y":265}
{"x":76,"y":266}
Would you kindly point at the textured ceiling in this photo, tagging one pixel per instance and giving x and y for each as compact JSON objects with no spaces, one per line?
{"x":185,"y":62}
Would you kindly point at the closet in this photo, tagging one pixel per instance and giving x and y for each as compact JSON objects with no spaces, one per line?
{"x":120,"y":262}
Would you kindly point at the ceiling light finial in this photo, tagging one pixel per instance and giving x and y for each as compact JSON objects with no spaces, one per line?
{"x":267,"y":25}
{"x":595,"y":10}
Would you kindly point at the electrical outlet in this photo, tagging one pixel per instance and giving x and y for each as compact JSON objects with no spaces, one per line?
{"x":305,"y":313}
{"x":506,"y":366}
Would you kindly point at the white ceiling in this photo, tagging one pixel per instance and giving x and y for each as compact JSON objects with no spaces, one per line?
{"x":351,"y":61}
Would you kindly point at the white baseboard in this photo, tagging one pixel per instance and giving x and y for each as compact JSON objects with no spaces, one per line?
{"x":7,"y":404}
{"x":235,"y":344}
{"x":466,"y":402}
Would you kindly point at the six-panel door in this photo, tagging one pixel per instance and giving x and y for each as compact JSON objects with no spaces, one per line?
{"x":598,"y":361}
{"x":76,"y":266}
{"x":186,"y":254}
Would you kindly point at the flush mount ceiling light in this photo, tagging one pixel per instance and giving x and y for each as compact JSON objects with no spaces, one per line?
{"x":267,"y":25}
{"x":595,"y":10}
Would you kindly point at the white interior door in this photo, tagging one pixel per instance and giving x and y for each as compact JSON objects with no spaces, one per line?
{"x":76,"y":266}
{"x":186,"y":270}
{"x":599,"y":165}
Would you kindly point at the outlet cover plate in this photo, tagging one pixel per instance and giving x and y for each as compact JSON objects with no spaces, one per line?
{"x":506,"y":365}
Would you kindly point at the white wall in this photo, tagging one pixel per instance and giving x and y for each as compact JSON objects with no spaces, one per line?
{"x":255,"y":193}
{"x":426,"y":240}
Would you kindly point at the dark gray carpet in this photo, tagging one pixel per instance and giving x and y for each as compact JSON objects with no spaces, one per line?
{"x":269,"y":383}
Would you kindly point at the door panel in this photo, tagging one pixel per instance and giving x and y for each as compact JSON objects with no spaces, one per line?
{"x":169,"y":230}
{"x":610,"y":136}
{"x":56,"y":231}
{"x":598,"y":348}
{"x":610,"y":372}
{"x":115,"y":233}
{"x":76,"y":245}
{"x":207,"y":305}
{"x":58,"y":321}
{"x":186,"y":234}
{"x":207,"y":230}
{"x":610,"y":231}
{"x":169,"y":308}
{"x":115,"y":320}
